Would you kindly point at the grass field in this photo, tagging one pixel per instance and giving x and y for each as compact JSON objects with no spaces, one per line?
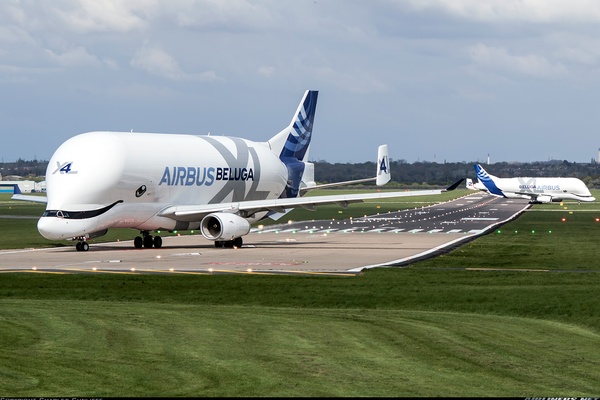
{"x":514,"y":313}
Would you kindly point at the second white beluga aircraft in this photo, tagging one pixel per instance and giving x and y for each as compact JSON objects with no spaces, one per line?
{"x":217,"y":184}
{"x":537,"y":190}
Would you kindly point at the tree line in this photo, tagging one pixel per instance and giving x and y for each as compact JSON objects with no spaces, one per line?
{"x":442,"y":174}
{"x":420,"y":174}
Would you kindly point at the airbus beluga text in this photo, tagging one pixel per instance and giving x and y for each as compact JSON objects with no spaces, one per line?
{"x":217,"y":184}
{"x":537,"y":190}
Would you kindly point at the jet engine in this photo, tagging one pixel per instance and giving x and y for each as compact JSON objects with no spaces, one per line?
{"x":224,"y":226}
{"x":544,"y":199}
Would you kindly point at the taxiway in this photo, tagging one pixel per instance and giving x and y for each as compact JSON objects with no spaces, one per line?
{"x":315,"y":247}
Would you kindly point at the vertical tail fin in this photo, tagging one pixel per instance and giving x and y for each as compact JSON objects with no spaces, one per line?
{"x":383,"y":166}
{"x":487,"y":180}
{"x":293,"y":142}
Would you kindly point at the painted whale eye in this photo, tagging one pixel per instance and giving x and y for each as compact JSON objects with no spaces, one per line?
{"x":140,"y":191}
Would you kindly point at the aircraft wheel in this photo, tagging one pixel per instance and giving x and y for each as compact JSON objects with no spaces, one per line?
{"x":138,"y":242}
{"x":157,"y":242}
{"x":237,"y":242}
{"x":148,"y":241}
{"x":219,"y":243}
{"x":85,"y":246}
{"x":78,"y":246}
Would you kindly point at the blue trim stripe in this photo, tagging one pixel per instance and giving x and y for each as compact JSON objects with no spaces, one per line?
{"x":487,"y":181}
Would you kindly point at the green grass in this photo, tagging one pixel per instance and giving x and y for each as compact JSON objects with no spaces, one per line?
{"x":118,"y":349}
{"x":431,"y":329}
{"x":538,"y":239}
{"x":388,"y":332}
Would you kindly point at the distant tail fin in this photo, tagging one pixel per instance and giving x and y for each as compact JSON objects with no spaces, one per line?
{"x":469,"y":183}
{"x":487,"y":180}
{"x":383,"y":166}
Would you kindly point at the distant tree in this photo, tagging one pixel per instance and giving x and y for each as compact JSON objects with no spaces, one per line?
{"x":403,"y":173}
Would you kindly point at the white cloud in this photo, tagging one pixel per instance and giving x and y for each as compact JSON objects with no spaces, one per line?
{"x":78,"y":16}
{"x":77,"y":57}
{"x":350,"y":81}
{"x":86,"y":16}
{"x":500,"y":59}
{"x":158,"y":62}
{"x":232,"y":15}
{"x":266,"y":71}
{"x":536,"y":11}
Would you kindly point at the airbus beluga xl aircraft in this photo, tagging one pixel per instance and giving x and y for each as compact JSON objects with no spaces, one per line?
{"x":537,"y":190}
{"x":217,"y":184}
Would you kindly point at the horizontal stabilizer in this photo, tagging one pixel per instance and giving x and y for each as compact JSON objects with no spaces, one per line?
{"x":33,"y":199}
{"x":17,"y":195}
{"x":382,"y":176}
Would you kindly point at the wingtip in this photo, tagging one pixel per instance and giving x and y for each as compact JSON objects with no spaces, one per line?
{"x":454,"y":185}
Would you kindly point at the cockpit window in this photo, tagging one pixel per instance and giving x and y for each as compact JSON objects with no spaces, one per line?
{"x":79,"y":214}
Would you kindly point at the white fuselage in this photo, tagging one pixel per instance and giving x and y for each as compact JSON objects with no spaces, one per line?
{"x":123,"y":180}
{"x":544,"y":189}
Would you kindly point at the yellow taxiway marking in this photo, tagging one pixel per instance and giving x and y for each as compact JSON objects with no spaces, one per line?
{"x":134,"y":271}
{"x":507,"y":269}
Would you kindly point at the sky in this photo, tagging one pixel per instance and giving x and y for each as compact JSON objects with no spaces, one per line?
{"x":436,"y":80}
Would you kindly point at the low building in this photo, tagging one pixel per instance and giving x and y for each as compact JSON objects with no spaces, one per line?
{"x":24,"y":186}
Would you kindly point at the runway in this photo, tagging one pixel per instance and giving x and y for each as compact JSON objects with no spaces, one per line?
{"x":335,"y":247}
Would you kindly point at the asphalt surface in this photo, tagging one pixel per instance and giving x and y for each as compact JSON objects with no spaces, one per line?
{"x":335,"y":247}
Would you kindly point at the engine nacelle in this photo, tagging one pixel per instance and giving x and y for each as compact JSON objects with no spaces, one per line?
{"x":224,"y":226}
{"x":544,"y":199}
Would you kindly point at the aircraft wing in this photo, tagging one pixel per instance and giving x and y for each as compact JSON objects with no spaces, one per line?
{"x":247,"y":208}
{"x":329,"y":185}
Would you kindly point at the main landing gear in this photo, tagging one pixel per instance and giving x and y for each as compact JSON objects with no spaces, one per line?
{"x":82,"y":245}
{"x":147,"y":241}
{"x":237,"y":242}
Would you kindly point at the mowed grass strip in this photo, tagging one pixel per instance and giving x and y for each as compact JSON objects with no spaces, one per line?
{"x":82,"y":348}
{"x":543,"y":237}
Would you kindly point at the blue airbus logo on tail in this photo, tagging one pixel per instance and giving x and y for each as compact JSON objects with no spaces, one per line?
{"x":383,"y":165}
{"x":487,"y":181}
{"x":298,"y":140}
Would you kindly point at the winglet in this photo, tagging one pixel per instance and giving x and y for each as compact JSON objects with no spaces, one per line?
{"x":383,"y":166}
{"x":454,"y":185}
